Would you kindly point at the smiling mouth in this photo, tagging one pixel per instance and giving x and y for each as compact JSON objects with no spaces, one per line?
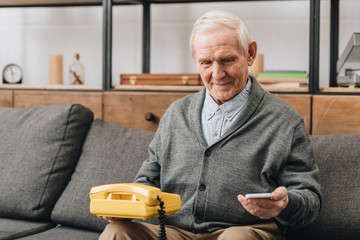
{"x":222,"y":84}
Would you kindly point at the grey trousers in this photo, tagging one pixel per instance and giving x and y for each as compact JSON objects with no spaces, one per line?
{"x":126,"y":230}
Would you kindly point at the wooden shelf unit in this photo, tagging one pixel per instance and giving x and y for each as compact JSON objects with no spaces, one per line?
{"x":325,"y":111}
{"x":107,"y":37}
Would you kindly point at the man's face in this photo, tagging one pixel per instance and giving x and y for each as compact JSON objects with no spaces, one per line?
{"x":221,"y":62}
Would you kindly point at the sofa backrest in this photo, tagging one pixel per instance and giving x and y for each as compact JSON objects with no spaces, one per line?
{"x":111,"y":154}
{"x":39,"y":149}
{"x":338,"y":159}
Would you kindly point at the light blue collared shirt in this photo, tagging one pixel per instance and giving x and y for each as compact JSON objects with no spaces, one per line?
{"x":216,"y":120}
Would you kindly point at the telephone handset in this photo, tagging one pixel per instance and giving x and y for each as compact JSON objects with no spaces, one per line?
{"x":132,"y":200}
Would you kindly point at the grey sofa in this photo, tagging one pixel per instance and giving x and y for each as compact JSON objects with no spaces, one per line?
{"x":51,"y":156}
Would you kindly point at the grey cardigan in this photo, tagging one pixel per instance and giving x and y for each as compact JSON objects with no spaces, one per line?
{"x":267,"y":147}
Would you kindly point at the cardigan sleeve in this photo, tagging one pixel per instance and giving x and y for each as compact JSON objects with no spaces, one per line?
{"x":149,"y":172}
{"x":300,"y":175}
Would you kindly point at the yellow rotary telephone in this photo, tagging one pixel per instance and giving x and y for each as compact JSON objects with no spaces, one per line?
{"x":132,"y":200}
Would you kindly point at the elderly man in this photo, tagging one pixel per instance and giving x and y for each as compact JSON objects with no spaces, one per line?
{"x":230,"y":139}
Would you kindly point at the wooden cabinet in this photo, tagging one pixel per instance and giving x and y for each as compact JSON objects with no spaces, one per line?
{"x":6,"y":98}
{"x":129,"y":109}
{"x":141,"y":110}
{"x":336,"y":114}
{"x":92,"y":100}
{"x":302,"y":104}
{"x":323,"y":114}
{"x":134,"y":109}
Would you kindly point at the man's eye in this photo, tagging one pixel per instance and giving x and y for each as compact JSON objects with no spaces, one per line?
{"x":228,"y":60}
{"x":205,"y":63}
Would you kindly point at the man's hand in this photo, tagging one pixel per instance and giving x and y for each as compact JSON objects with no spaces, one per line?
{"x":266,"y":208}
{"x":115,"y":219}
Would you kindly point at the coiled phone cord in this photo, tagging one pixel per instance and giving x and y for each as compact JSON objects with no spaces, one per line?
{"x":161,"y":211}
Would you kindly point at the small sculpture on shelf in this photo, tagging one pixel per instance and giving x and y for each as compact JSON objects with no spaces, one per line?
{"x":77,"y":72}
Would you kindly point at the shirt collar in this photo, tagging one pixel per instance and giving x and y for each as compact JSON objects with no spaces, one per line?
{"x":230,"y":108}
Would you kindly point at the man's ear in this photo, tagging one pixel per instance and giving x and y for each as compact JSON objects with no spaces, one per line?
{"x":252,"y":53}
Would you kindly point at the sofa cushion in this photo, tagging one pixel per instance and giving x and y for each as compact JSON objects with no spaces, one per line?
{"x":39,"y":148}
{"x":61,"y":232}
{"x":15,"y":228}
{"x":111,"y":154}
{"x":338,"y":159}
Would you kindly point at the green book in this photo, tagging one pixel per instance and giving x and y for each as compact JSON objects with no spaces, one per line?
{"x":285,"y":74}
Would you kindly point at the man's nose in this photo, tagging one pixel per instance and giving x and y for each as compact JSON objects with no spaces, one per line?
{"x":218,"y":72}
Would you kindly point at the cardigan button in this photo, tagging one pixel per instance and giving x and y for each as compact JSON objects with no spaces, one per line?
{"x":208,"y":153}
{"x":202,"y":187}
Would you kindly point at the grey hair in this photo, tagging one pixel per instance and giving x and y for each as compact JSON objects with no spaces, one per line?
{"x":213,"y":19}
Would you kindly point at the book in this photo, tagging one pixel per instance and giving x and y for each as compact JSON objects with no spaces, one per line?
{"x":282,"y":80}
{"x":290,"y":71}
{"x":279,"y":87}
{"x":283,"y":74}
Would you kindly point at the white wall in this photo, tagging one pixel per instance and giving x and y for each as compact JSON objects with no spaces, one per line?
{"x":28,"y":36}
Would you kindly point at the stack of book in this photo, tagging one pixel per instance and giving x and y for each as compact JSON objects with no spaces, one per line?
{"x":283,"y":80}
